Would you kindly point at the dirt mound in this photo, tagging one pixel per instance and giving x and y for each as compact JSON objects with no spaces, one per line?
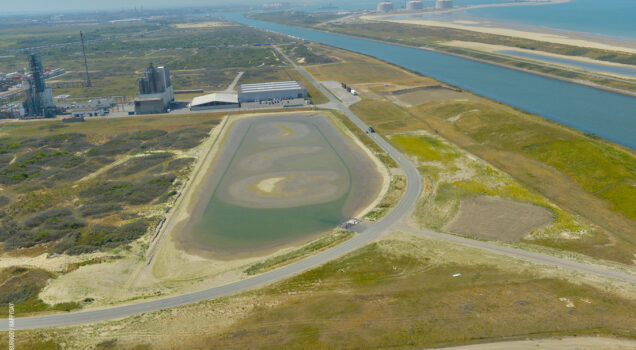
{"x":497,"y":218}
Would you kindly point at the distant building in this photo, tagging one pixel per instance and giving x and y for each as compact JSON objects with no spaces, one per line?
{"x":219,"y":100}
{"x":283,"y":90}
{"x":414,"y":5}
{"x":444,"y":4}
{"x":276,"y":6}
{"x":385,"y":6}
{"x":154,"y":85}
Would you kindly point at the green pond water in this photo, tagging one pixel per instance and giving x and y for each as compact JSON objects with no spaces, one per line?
{"x":316,"y":180}
{"x":233,"y":228}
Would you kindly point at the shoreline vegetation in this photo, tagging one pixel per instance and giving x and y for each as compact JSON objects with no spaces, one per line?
{"x":467,"y":121}
{"x":465,"y":146}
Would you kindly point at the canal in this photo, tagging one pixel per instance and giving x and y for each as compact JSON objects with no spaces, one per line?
{"x":608,"y":115}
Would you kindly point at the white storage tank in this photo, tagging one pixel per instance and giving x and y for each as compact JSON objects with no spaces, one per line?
{"x":385,"y":6}
{"x":414,"y":5}
{"x":444,"y":4}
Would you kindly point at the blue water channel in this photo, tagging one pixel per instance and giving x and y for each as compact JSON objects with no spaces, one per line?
{"x":608,"y":115}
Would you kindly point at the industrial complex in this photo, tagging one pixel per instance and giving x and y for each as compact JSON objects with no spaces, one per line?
{"x":414,"y":5}
{"x":385,"y":6}
{"x":39,"y":98}
{"x":155,"y":91}
{"x":156,"y":95}
{"x":251,"y":93}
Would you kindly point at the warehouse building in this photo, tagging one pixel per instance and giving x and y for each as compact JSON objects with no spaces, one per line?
{"x":218,"y":100}
{"x":284,"y":90}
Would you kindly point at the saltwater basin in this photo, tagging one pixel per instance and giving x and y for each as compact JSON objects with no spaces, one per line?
{"x":279,"y":179}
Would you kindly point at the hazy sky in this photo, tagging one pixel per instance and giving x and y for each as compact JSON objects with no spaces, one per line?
{"x":70,"y":5}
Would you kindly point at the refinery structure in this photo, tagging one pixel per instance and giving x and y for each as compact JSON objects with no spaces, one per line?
{"x":39,"y":98}
{"x":155,"y":91}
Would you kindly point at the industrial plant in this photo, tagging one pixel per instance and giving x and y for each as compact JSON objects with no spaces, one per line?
{"x":39,"y":98}
{"x":415,"y":5}
{"x":444,"y":4}
{"x":155,"y":91}
{"x":385,"y":6}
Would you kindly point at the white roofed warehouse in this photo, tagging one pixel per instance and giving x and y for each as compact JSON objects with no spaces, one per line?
{"x":271,"y":91}
{"x":218,"y":100}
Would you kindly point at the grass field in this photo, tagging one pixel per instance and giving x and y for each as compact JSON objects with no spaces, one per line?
{"x":201,"y":57}
{"x":85,"y":187}
{"x":324,"y":242}
{"x":452,"y":176}
{"x":582,"y":175}
{"x":396,"y":293}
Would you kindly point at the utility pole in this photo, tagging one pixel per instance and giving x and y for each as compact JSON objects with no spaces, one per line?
{"x":88,"y":78}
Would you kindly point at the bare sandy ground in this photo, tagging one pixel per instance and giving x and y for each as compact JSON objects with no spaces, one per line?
{"x":572,"y":343}
{"x":497,"y":218}
{"x":495,"y":48}
{"x":557,"y":38}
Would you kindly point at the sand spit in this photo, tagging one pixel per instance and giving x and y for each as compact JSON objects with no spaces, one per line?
{"x":539,"y":36}
{"x":553,"y":36}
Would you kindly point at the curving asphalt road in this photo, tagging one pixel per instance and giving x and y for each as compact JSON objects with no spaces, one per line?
{"x":405,"y":205}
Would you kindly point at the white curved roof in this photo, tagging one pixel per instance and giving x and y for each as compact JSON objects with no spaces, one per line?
{"x":225,"y":97}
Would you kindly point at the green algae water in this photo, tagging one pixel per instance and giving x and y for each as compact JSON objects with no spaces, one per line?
{"x":233,"y":228}
{"x":279,"y":180}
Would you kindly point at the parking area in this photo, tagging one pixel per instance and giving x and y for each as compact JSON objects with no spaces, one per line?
{"x":343,"y":95}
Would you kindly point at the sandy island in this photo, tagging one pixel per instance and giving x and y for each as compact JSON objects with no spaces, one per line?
{"x":540,"y":34}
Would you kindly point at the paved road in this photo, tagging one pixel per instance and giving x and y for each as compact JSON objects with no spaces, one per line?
{"x":539,"y":258}
{"x":231,"y":87}
{"x":406,"y":204}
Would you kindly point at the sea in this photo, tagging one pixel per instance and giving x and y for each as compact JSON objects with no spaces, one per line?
{"x":610,"y":18}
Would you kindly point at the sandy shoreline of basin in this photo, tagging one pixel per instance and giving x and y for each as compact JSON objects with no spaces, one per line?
{"x":176,"y":260}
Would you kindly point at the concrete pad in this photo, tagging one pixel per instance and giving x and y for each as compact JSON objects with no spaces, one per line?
{"x":343,"y":95}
